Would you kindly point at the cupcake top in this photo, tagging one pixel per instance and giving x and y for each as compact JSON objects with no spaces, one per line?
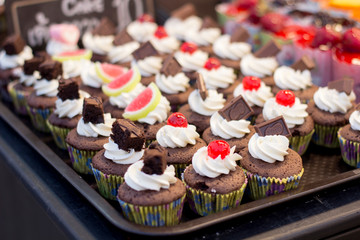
{"x":336,"y":97}
{"x":94,"y":122}
{"x":287,"y":105}
{"x":74,"y":68}
{"x":123,"y":99}
{"x":50,"y":72}
{"x":14,"y":52}
{"x":152,"y":173}
{"x":163,"y":42}
{"x":123,"y":47}
{"x":190,"y":58}
{"x":354,"y":120}
{"x":29,"y":74}
{"x":142,"y":29}
{"x":215,"y":159}
{"x":288,"y":78}
{"x":213,"y":102}
{"x":126,"y":142}
{"x":147,"y":60}
{"x":254,"y":91}
{"x":63,"y":37}
{"x":206,"y":35}
{"x":177,"y":133}
{"x":89,"y":76}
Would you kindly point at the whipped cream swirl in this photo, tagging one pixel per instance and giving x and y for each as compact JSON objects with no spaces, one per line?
{"x":94,"y":130}
{"x":13,"y":61}
{"x":178,"y":27}
{"x":123,"y":53}
{"x":124,"y":98}
{"x":331,"y":100}
{"x":230,"y":50}
{"x":258,"y":67}
{"x":213,"y":103}
{"x":172,"y":84}
{"x":120,"y":156}
{"x":191,"y":62}
{"x":203,"y":37}
{"x":141,"y":31}
{"x":89,"y":76}
{"x":177,"y":137}
{"x":254,"y":97}
{"x":270,"y":148}
{"x":209,"y":167}
{"x":54,"y":47}
{"x":70,"y":107}
{"x":222,"y":77}
{"x":288,"y":78}
{"x":44,"y":87}
{"x":140,"y":181}
{"x":98,"y":44}
{"x":28,"y":80}
{"x":294,"y":115}
{"x":165,"y":45}
{"x":73,"y":68}
{"x":148,"y":66}
{"x":355,"y":120}
{"x":228,"y":129}
{"x":159,"y":114}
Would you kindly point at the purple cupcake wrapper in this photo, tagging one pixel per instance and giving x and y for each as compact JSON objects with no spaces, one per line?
{"x":18,"y":98}
{"x":301,"y":143}
{"x":350,"y":151}
{"x":108,"y":184}
{"x":326,"y":136}
{"x":38,"y":117}
{"x":81,"y":159}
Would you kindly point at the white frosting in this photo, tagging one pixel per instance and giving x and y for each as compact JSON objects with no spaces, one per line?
{"x":73,"y":68}
{"x":123,"y":53}
{"x":140,"y":181}
{"x":70,"y":107}
{"x":228,"y":129}
{"x":28,"y":80}
{"x":120,"y":156}
{"x":270,"y":148}
{"x":177,"y":27}
{"x":213,"y":103}
{"x":89,"y":76}
{"x":159,"y":114}
{"x":13,"y":61}
{"x":94,"y":130}
{"x":98,"y":44}
{"x":124,"y":98}
{"x":258,"y":67}
{"x":209,"y":167}
{"x":165,"y":45}
{"x":355,"y":120}
{"x":191,"y":62}
{"x":203,"y":37}
{"x":54,"y":47}
{"x":331,"y":100}
{"x":44,"y":87}
{"x":172,"y":84}
{"x":287,"y":78}
{"x":222,"y":77}
{"x":254,"y":97}
{"x":141,"y":31}
{"x":225,"y":49}
{"x":176,"y":137}
{"x":294,"y":115}
{"x":148,"y":66}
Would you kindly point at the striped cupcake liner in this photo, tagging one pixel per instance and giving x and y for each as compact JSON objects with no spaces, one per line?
{"x":59,"y":134}
{"x":261,"y":187}
{"x":18,"y":99}
{"x":108,"y":184}
{"x":155,"y":216}
{"x":301,"y":143}
{"x":350,"y":151}
{"x":326,"y":136}
{"x":81,"y":159}
{"x":179,"y":169}
{"x":38,"y":117}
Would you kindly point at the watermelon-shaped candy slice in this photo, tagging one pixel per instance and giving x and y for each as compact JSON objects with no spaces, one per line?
{"x":73,"y":55}
{"x":123,"y":83}
{"x":144,"y":103}
{"x":108,"y":72}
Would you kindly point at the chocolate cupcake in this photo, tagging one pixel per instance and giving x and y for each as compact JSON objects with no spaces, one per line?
{"x":164,"y":43}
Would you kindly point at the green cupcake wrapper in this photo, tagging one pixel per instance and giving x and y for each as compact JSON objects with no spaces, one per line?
{"x":18,"y":99}
{"x":108,"y":184}
{"x":81,"y":159}
{"x":59,"y":134}
{"x":204,"y":203}
{"x":326,"y":136}
{"x":261,"y":187}
{"x":301,"y":143}
{"x":350,"y":151}
{"x":38,"y":117}
{"x":155,"y":216}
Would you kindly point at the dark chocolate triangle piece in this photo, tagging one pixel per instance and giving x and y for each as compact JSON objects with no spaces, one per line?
{"x":105,"y":28}
{"x":209,"y":22}
{"x":236,"y":109}
{"x":170,"y":66}
{"x":68,"y":89}
{"x":304,"y":63}
{"x":240,"y":34}
{"x":184,"y":11}
{"x":275,"y":126}
{"x":14,"y":44}
{"x":122,"y":37}
{"x":127,"y":135}
{"x":145,"y":50}
{"x":154,"y":159}
{"x":344,"y":85}
{"x":270,"y":49}
{"x":50,"y":69}
{"x":200,"y":84}
{"x":93,"y":110}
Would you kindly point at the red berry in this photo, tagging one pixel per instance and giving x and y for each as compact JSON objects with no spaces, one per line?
{"x":212,"y":63}
{"x":218,"y":147}
{"x":327,"y":37}
{"x":285,"y":98}
{"x":160,"y":32}
{"x":274,"y":22}
{"x":250,"y":83}
{"x":188,"y":47}
{"x":146,"y":18}
{"x":246,"y":4}
{"x":232,"y":11}
{"x":351,"y":40}
{"x":177,"y":120}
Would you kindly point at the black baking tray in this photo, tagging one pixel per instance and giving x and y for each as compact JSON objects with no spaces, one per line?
{"x":324,"y":168}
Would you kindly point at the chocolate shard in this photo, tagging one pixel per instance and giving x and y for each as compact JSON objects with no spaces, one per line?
{"x":343,"y":85}
{"x":270,"y":49}
{"x":122,"y":37}
{"x":13,"y":44}
{"x":105,"y":28}
{"x":240,"y":34}
{"x":127,"y":135}
{"x":170,"y":66}
{"x":200,"y":85}
{"x":145,"y":50}
{"x":68,"y":89}
{"x":93,"y":110}
{"x":209,"y":22}
{"x":32,"y":65}
{"x":304,"y":63}
{"x":236,"y":109}
{"x":184,"y":11}
{"x":275,"y":126}
{"x":50,"y":69}
{"x":154,"y":159}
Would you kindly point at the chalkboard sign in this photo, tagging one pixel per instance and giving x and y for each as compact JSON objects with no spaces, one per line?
{"x":32,"y":19}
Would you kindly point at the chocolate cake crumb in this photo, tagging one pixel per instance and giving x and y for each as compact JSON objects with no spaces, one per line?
{"x":68,"y":89}
{"x":50,"y":69}
{"x":13,"y":44}
{"x":93,"y":110}
{"x":154,"y":159}
{"x":127,"y":135}
{"x":32,"y":65}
